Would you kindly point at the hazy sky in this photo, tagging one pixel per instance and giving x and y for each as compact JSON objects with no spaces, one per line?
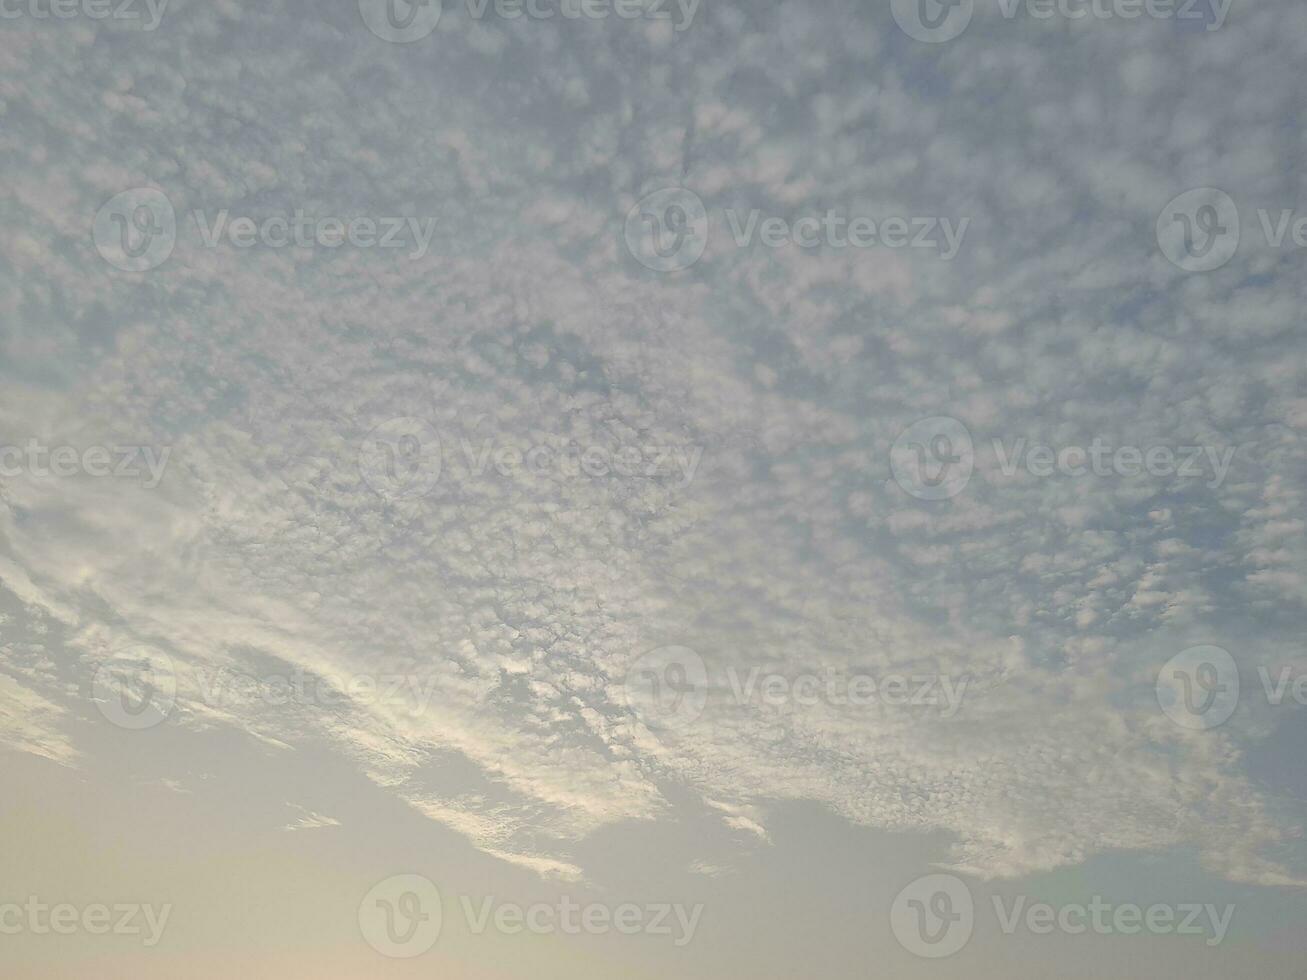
{"x":639,"y":489}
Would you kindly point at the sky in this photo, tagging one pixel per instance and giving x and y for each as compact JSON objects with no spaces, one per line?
{"x":591,"y":488}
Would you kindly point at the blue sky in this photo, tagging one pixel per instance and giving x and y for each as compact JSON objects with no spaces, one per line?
{"x":755,"y":457}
